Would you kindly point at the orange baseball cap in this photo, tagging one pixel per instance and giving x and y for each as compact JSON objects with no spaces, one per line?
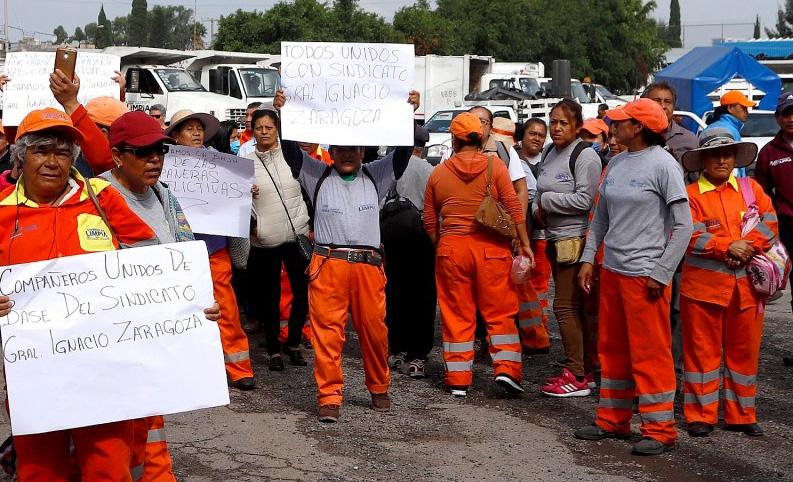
{"x":736,"y":97}
{"x":596,"y":126}
{"x":48,"y":119}
{"x":646,"y":111}
{"x":465,"y":124}
{"x":105,"y":110}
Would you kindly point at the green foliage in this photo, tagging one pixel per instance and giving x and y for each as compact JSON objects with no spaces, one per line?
{"x":675,"y":25}
{"x":137,"y":25}
{"x":756,"y":27}
{"x":425,"y":29}
{"x":60,"y":34}
{"x":104,"y":35}
{"x":79,"y":35}
{"x":301,"y":20}
{"x":120,"y":26}
{"x":90,"y":32}
{"x":172,"y":27}
{"x":784,"y":22}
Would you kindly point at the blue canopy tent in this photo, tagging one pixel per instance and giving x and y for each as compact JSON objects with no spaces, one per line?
{"x":704,"y":69}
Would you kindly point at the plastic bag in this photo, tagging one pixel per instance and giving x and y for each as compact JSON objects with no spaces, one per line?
{"x":521,"y":270}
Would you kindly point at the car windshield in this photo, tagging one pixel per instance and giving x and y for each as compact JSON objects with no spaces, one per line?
{"x":441,"y":120}
{"x":605,"y":93}
{"x":760,"y":125}
{"x":260,"y":82}
{"x":579,"y":93}
{"x":176,"y":80}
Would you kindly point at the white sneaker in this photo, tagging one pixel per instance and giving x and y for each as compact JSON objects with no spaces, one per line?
{"x":458,"y":392}
{"x":397,"y":361}
{"x":416,"y":368}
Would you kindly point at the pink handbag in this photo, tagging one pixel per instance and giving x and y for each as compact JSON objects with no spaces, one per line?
{"x":768,"y":272}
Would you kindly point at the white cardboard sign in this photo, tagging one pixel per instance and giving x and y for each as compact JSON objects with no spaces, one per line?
{"x":347,"y":93}
{"x":29,"y":87}
{"x":213,"y":188}
{"x":110,"y":336}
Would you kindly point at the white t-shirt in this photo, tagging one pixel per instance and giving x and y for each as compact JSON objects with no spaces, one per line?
{"x":247,"y":148}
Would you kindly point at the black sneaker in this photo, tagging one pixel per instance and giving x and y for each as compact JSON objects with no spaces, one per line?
{"x":750,"y":429}
{"x":276,"y":363}
{"x":788,"y":361}
{"x":593,"y":432}
{"x":650,"y":446}
{"x":296,"y":358}
{"x":247,"y":383}
{"x":510,"y":385}
{"x":699,"y":429}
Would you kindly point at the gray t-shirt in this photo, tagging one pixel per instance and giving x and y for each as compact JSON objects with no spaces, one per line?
{"x":413,"y":182}
{"x":347,"y":212}
{"x":147,"y":206}
{"x":567,"y":199}
{"x":633,"y":216}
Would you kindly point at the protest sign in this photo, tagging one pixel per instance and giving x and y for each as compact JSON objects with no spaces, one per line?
{"x":110,"y":336}
{"x":347,"y":93}
{"x":29,"y":87}
{"x":213,"y":188}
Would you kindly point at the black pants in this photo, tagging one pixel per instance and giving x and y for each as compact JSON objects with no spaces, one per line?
{"x":264,"y":271}
{"x":410,"y":297}
{"x":786,"y":236}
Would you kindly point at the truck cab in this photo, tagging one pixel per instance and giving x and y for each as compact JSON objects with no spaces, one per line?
{"x":240,"y":75}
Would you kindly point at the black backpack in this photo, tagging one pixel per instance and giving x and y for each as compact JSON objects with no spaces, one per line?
{"x":573,"y":157}
{"x":400,"y":220}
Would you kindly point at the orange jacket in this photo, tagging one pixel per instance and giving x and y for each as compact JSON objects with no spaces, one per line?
{"x":717,"y":214}
{"x":72,"y":228}
{"x":245,"y":136}
{"x":95,"y":147}
{"x":456,"y":189}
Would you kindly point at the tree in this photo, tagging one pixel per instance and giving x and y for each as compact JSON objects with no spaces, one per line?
{"x":675,"y":25}
{"x":79,"y":35}
{"x":424,"y":28}
{"x":352,"y":23}
{"x":784,"y":22}
{"x":756,"y":27}
{"x":104,"y":35}
{"x":120,"y":27}
{"x":137,"y":24}
{"x":60,"y":34}
{"x":172,"y":27}
{"x":91,"y":31}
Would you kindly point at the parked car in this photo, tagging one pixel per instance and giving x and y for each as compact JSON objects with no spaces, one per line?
{"x":440,"y":143}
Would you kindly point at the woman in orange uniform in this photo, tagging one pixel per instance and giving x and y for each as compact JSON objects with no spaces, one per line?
{"x":472,"y":266}
{"x":643,"y":220}
{"x":720,"y":310}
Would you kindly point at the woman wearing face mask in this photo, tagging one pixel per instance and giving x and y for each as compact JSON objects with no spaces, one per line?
{"x":227,"y":139}
{"x":281,"y":215}
{"x":595,"y":131}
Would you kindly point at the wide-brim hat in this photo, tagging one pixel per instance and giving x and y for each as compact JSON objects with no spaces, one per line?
{"x":503,"y":130}
{"x":211,"y":123}
{"x":714,"y":139}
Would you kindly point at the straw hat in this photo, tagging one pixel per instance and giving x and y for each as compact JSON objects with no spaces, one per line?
{"x":210,"y":122}
{"x":718,"y":138}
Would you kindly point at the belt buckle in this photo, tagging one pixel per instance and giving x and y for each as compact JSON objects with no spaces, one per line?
{"x":352,"y":257}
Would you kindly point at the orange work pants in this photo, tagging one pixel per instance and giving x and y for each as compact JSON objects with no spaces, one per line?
{"x":337,"y":288}
{"x":472,"y":272}
{"x":285,"y":308}
{"x":541,"y":281}
{"x":707,"y":330}
{"x":151,"y":461}
{"x":533,"y":332}
{"x":232,"y":337}
{"x":102,"y":452}
{"x":635,"y":347}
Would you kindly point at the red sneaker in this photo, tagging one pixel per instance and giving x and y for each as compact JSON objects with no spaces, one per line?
{"x":567,"y":386}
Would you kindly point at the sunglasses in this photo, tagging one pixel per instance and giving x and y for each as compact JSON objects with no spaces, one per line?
{"x":146,"y":152}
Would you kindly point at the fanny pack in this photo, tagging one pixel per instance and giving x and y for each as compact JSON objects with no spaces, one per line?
{"x":568,"y":250}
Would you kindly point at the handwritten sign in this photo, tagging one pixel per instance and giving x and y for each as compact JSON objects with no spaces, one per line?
{"x":213,"y":188}
{"x":29,"y":87}
{"x":110,"y":336}
{"x":347,"y":93}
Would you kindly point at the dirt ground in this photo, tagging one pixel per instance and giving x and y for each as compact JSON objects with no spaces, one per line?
{"x":272,"y":433}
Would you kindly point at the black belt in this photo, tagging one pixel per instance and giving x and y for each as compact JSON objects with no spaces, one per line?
{"x":351,"y":255}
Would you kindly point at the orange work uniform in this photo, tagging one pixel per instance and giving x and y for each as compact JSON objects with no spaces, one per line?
{"x":533,"y":332}
{"x":719,"y":309}
{"x":151,"y":461}
{"x":472,"y":266}
{"x":30,"y":232}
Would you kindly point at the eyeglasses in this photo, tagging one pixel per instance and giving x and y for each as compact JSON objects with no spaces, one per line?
{"x":156,"y":116}
{"x":146,"y":152}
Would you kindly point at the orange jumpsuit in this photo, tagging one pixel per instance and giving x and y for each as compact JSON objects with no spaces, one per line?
{"x":720,"y":311}
{"x":102,"y":452}
{"x":472,"y":266}
{"x":533,"y":333}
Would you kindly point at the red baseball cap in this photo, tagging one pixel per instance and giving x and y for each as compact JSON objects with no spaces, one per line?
{"x":645,"y":111}
{"x":48,"y":119}
{"x":136,"y":129}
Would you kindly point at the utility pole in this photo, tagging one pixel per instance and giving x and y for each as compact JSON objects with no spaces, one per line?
{"x":7,"y":41}
{"x":195,"y":21}
{"x":211,"y":28}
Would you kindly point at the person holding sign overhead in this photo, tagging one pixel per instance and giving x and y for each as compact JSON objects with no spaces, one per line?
{"x":52,"y":212}
{"x":346,"y":270}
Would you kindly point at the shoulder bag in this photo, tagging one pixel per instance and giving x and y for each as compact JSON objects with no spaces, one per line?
{"x":491,"y":214}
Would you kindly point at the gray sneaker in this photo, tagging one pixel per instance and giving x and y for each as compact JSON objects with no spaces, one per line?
{"x":396,"y":362}
{"x":650,"y":446}
{"x":416,"y":368}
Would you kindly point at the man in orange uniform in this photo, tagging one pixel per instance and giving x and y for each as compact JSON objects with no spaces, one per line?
{"x":720,"y":309}
{"x":49,"y":214}
{"x":346,"y":271}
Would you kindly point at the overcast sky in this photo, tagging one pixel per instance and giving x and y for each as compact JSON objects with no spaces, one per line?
{"x":44,"y":15}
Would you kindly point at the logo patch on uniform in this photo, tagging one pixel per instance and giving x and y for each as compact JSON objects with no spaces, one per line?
{"x":712,"y":224}
{"x":96,"y":234}
{"x":562,"y":177}
{"x":366,"y":207}
{"x":777,"y":162}
{"x":93,"y":233}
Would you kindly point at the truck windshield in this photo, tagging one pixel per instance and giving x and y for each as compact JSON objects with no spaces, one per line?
{"x":260,"y":82}
{"x":579,"y":93}
{"x":529,"y":86}
{"x":177,"y":80}
{"x":441,"y":121}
